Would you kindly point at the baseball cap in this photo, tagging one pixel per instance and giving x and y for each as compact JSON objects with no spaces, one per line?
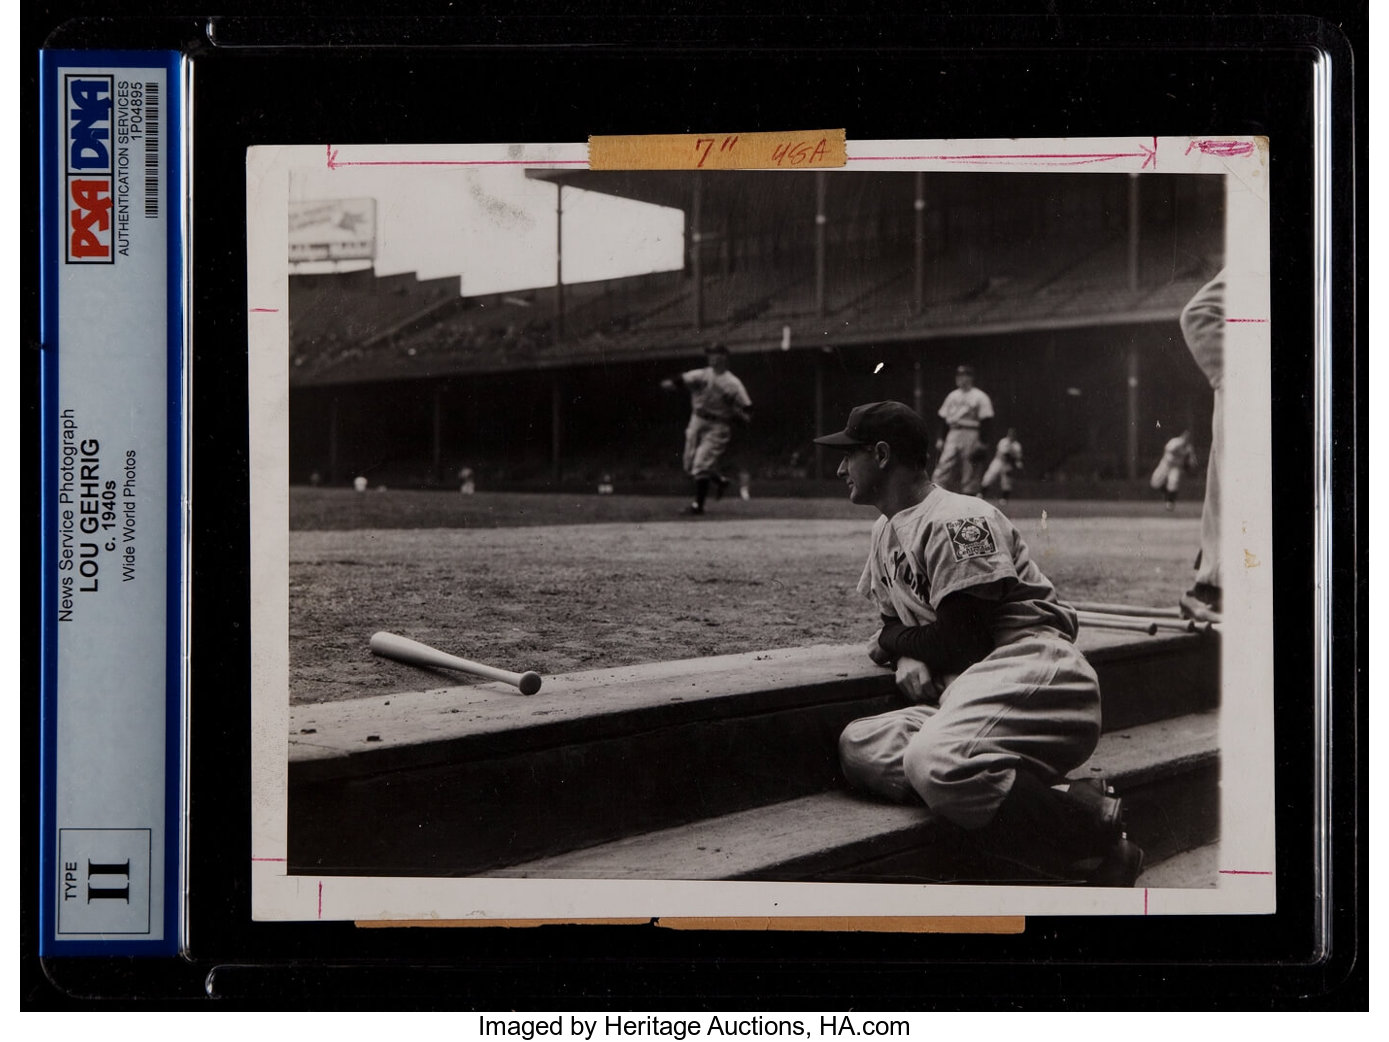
{"x":716,"y":348}
{"x":964,"y":370}
{"x":892,"y":422}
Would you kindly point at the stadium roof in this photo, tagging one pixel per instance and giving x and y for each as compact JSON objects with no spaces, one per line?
{"x":995,"y":263}
{"x":761,"y":199}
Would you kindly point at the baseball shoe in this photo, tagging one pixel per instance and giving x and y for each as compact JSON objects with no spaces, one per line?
{"x":1096,"y":798}
{"x":721,"y":484}
{"x":1072,"y":836}
{"x":1120,"y":860}
{"x":693,"y":510}
{"x":1119,"y":866}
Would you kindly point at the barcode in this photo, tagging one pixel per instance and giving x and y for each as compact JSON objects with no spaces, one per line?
{"x":152,"y":149}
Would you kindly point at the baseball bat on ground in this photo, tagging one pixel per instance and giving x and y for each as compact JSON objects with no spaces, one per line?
{"x":1126,"y":609}
{"x":403,"y":649}
{"x":1117,"y":622}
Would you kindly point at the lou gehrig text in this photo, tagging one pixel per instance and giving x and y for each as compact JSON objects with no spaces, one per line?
{"x":732,"y":1025}
{"x":97,"y":496}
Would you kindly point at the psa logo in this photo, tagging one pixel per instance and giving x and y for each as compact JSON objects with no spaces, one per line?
{"x":87,"y":109}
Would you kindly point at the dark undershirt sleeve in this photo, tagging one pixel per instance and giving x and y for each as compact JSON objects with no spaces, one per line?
{"x":960,"y":636}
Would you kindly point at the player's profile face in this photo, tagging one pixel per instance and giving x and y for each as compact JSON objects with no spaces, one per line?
{"x":860,"y":471}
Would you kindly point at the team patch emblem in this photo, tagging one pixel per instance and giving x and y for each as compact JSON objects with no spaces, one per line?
{"x":971,"y":537}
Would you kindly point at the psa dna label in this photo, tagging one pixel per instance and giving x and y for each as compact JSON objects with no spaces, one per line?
{"x":89,"y":101}
{"x":111,"y":163}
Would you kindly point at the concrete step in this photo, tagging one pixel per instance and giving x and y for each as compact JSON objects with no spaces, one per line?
{"x":1167,"y":771}
{"x":460,"y":780}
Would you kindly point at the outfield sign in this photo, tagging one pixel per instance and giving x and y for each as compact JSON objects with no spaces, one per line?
{"x":332,"y":229}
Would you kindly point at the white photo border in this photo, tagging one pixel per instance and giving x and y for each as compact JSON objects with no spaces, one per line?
{"x":1247,"y":859}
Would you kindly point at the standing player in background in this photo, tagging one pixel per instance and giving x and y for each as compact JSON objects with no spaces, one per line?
{"x":966,"y":420}
{"x":1203,"y":328}
{"x":1005,"y":704}
{"x":1007,"y":458}
{"x":1177,"y":457}
{"x":717,"y":399}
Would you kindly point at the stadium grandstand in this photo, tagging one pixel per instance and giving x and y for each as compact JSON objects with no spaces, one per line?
{"x":1063,"y":290}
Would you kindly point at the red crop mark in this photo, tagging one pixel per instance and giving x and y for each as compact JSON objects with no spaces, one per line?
{"x":1218,"y":147}
{"x":320,"y":899}
{"x":265,"y":311}
{"x":1242,"y":872}
{"x":334,"y":163}
{"x":1145,"y":900}
{"x":267,"y":859}
{"x":1246,"y":320}
{"x":1148,"y":155}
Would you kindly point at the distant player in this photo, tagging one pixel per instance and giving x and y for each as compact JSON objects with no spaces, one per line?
{"x":717,"y":400}
{"x":1203,"y":328}
{"x":1178,"y":458}
{"x":1007,"y":458}
{"x":966,"y":420}
{"x":1005,"y":704}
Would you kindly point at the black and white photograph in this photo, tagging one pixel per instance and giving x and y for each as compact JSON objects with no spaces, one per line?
{"x":886,"y":539}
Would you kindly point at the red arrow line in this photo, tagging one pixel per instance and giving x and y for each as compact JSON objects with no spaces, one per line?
{"x":334,"y":163}
{"x":1031,"y":159}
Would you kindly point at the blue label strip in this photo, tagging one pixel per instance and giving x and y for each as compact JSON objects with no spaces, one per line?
{"x":164,"y":913}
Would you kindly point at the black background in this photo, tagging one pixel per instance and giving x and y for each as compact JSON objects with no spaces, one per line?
{"x":1049,"y":70}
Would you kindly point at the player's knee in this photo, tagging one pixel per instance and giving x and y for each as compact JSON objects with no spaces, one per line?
{"x":933,"y":769}
{"x":856,"y":755}
{"x":869,"y":761}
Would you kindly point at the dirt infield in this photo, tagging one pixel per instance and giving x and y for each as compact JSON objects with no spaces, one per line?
{"x":499,"y":579}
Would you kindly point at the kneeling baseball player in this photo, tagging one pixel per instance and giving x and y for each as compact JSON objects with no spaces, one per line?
{"x":1004,"y":703}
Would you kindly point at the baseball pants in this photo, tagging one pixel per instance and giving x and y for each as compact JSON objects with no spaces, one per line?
{"x":1166,"y":478}
{"x":705,"y":443}
{"x":1032,"y":704}
{"x":998,"y":473}
{"x":1209,"y":570}
{"x":955,"y":471}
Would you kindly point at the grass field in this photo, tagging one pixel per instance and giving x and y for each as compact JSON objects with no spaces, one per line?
{"x":561,"y":583}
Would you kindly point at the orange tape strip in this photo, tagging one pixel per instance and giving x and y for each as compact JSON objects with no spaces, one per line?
{"x":782,"y":150}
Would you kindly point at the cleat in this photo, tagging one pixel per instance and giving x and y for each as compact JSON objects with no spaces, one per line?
{"x":1120,"y":866}
{"x":721,"y":484}
{"x":1106,"y":810}
{"x":693,"y":510}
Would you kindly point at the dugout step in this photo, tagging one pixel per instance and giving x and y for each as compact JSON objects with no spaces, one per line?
{"x":1168,"y":773}
{"x":463,"y":780}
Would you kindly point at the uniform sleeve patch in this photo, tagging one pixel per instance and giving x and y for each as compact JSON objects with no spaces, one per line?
{"x":971,"y":537}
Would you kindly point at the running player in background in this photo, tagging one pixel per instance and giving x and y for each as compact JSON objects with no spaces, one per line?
{"x":1007,"y":458}
{"x":1004,"y":703}
{"x":717,"y":399}
{"x":966,"y":419}
{"x":1178,"y":457}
